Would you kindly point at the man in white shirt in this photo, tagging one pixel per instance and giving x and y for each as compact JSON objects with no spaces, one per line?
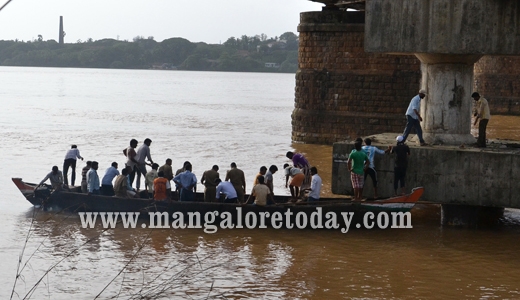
{"x":143,"y":153}
{"x":227,"y":189}
{"x":131,"y":161}
{"x":482,"y":115}
{"x":315,"y":189}
{"x":151,"y":176}
{"x":413,"y":118}
{"x":70,"y":161}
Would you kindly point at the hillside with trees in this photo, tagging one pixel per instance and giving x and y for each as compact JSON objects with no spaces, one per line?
{"x":245,"y":54}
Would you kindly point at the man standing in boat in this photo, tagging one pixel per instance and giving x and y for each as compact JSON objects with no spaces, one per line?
{"x":209,"y":181}
{"x":263,"y":170}
{"x":269,"y":177}
{"x":187,"y":182}
{"x":84,"y":172}
{"x":371,"y":170}
{"x":167,"y":169}
{"x":131,"y":160}
{"x":315,"y":188}
{"x":150,"y":178}
{"x":238,"y":179}
{"x":141,"y":155}
{"x":402,"y":152}
{"x":357,"y":163}
{"x":179,"y":171}
{"x":299,"y":161}
{"x":93,"y":179}
{"x":107,"y":189}
{"x":70,"y":161}
{"x":56,"y":178}
{"x":296,"y":182}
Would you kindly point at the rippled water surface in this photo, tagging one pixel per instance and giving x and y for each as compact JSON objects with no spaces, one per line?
{"x":211,"y":118}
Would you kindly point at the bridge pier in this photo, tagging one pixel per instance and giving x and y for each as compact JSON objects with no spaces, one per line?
{"x":448,"y":37}
{"x":342,"y":91}
{"x":472,"y":184}
{"x":470,"y":216}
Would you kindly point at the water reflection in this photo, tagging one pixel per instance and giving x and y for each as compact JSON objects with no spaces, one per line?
{"x":272,"y":264}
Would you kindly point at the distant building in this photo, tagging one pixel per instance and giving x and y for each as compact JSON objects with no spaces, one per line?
{"x":272,"y":65}
{"x":164,"y":66}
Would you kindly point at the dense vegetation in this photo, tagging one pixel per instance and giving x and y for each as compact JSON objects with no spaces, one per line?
{"x":252,"y":54}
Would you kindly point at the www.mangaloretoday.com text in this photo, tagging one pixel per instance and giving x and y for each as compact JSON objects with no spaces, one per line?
{"x":212,"y":221}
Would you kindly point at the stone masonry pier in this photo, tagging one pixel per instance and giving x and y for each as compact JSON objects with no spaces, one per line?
{"x":455,"y":176}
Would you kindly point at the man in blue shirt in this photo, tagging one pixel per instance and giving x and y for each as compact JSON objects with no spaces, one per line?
{"x":413,"y":118}
{"x":371,"y":170}
{"x":187,"y":182}
{"x":107,"y":188}
{"x":227,"y":189}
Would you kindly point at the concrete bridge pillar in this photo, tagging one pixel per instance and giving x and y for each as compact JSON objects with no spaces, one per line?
{"x":448,"y":37}
{"x":446,"y":111}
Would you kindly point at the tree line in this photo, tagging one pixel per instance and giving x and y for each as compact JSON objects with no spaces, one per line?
{"x":247,"y":54}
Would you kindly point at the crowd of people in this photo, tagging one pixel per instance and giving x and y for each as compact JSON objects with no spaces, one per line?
{"x":161,"y":183}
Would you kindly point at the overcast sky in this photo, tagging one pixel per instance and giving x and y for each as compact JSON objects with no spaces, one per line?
{"x":210,"y":21}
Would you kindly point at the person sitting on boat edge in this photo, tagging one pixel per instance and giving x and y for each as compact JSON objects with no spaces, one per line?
{"x":55,"y":177}
{"x":150,"y":177}
{"x":210,"y":187}
{"x":84,"y":172}
{"x":187,"y":182}
{"x":296,"y":182}
{"x":371,"y":152}
{"x":107,"y":189}
{"x":268,"y":178}
{"x":227,"y":189}
{"x":121,"y":187}
{"x":70,"y":161}
{"x":357,"y":164}
{"x":161,"y":187}
{"x":263,"y":170}
{"x":93,"y":179}
{"x":315,"y":188}
{"x":260,"y":192}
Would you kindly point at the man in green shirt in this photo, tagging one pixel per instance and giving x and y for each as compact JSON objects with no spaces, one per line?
{"x":358,"y":162}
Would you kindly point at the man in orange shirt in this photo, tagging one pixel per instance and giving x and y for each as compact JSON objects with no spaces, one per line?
{"x":161,"y":188}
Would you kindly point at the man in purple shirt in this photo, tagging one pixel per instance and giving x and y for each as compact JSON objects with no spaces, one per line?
{"x":299,"y":161}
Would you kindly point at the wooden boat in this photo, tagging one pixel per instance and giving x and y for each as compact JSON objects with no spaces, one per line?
{"x":75,"y":201}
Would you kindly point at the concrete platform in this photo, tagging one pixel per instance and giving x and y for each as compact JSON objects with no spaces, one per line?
{"x":462,"y":175}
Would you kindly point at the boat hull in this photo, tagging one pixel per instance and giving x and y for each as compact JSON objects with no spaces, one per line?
{"x":78,"y":202}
